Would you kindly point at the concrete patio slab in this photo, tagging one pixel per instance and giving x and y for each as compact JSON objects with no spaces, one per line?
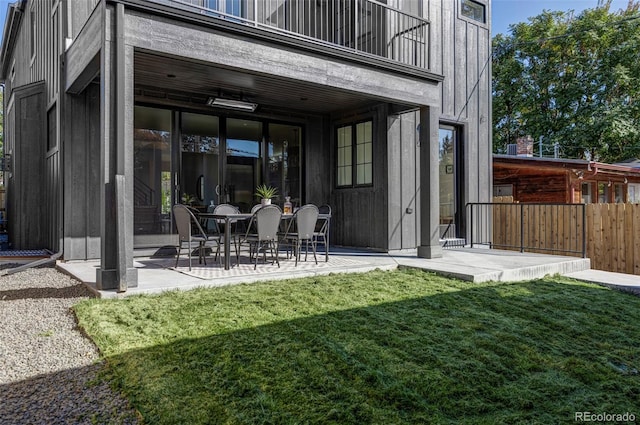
{"x":620,"y":281}
{"x":476,"y":265}
{"x":482,"y":265}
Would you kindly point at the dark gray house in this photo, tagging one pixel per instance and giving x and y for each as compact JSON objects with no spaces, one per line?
{"x":116,"y":109}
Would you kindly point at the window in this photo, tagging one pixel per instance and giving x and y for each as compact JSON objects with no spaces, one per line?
{"x":52,"y":132}
{"x":618,"y":193}
{"x":473,"y":10}
{"x":355,"y":160}
{"x":587,"y":195}
{"x":364,"y":143}
{"x":633,"y":193}
{"x":230,"y":7}
{"x":345,"y":149}
{"x":503,"y":190}
{"x":604,"y":189}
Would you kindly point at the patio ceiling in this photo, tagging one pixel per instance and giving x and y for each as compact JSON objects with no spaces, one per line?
{"x":175,"y":80}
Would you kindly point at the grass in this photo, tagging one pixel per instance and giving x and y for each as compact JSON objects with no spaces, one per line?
{"x":401,"y":347}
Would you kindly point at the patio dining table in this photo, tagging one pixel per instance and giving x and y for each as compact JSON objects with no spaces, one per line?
{"x":235,"y":217}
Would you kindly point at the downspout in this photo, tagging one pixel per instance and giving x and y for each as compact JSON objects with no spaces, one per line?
{"x":31,"y":265}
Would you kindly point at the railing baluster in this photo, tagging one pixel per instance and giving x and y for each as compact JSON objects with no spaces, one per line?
{"x":367,"y":26}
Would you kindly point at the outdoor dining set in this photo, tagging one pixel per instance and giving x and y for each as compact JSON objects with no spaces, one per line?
{"x":266,"y":229}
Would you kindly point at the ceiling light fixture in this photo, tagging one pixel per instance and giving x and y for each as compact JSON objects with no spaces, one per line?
{"x":231,"y":104}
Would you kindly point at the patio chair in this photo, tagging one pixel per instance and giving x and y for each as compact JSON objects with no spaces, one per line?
{"x":301,"y":229}
{"x":190,"y":231}
{"x":233,"y":231}
{"x":265,"y":222}
{"x":321,"y":231}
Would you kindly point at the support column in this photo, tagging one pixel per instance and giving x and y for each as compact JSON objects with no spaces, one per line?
{"x":116,"y":194}
{"x":429,"y":184}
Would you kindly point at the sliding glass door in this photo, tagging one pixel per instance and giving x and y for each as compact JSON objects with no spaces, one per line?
{"x":283,"y":160}
{"x":205,"y":160}
{"x":152,"y":183}
{"x":243,"y":162}
{"x":200,"y":159}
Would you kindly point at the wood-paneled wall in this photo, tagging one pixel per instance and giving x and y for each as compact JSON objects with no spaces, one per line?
{"x":25,"y":187}
{"x":36,"y":60}
{"x":360,"y":214}
{"x":45,"y":17}
{"x":82,"y":176}
{"x":533,"y":185}
{"x":462,"y":53}
{"x":404,"y":181}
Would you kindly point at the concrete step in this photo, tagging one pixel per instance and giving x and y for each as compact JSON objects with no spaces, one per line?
{"x":483,"y":265}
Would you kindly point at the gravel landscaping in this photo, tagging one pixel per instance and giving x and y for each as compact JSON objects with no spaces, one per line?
{"x":48,"y":368}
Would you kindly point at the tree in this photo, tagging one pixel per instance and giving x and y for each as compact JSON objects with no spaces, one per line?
{"x":571,"y":80}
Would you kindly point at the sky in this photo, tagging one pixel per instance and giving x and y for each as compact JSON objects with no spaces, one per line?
{"x":3,"y":14}
{"x":507,"y":12}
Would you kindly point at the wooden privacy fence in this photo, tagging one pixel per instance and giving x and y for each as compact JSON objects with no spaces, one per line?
{"x":608,"y":234}
{"x":543,"y":228}
{"x":613,"y":237}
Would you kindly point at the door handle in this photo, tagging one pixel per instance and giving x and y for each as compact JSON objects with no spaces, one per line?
{"x":200,"y":188}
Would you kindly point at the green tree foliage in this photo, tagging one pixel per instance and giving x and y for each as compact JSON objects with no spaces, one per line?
{"x":571,"y":80}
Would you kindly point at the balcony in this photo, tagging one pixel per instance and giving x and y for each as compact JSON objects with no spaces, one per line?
{"x":364,"y":27}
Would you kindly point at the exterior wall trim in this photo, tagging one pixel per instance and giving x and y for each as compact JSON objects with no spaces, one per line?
{"x":282,"y":39}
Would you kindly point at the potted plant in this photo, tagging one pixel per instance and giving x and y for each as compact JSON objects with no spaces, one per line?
{"x":188,"y":199}
{"x":265,"y":193}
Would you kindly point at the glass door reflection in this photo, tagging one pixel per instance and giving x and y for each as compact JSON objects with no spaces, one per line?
{"x":447,"y":171}
{"x":200,"y":160}
{"x":152,"y":186}
{"x":243,"y":162}
{"x":283,"y":160}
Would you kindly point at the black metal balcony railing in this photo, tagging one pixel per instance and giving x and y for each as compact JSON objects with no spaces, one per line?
{"x":367,"y":27}
{"x":545,"y":228}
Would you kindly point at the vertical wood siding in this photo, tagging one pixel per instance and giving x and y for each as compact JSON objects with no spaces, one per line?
{"x":461,"y":53}
{"x":404,"y":181}
{"x":46,"y":18}
{"x":25,"y":191}
{"x":463,"y":57}
{"x":44,"y":65}
{"x":82,"y":171}
{"x":360,"y":215}
{"x":79,"y":13}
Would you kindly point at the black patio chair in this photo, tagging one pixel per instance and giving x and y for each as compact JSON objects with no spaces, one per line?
{"x":190,"y":231}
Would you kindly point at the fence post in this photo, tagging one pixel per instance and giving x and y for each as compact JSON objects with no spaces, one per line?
{"x":521,"y":227}
{"x":584,"y":230}
{"x":471,"y":227}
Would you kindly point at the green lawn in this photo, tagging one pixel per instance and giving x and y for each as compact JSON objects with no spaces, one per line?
{"x":400,"y":347}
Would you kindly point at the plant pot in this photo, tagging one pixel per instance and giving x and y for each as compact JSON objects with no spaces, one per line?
{"x":265,"y":201}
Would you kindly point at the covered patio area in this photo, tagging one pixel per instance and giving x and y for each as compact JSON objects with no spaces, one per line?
{"x":477,"y":265}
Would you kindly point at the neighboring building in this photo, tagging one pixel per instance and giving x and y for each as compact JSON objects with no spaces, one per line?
{"x":115,"y":109}
{"x":554,"y":180}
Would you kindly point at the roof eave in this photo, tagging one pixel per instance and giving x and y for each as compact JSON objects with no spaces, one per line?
{"x":11,"y":26}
